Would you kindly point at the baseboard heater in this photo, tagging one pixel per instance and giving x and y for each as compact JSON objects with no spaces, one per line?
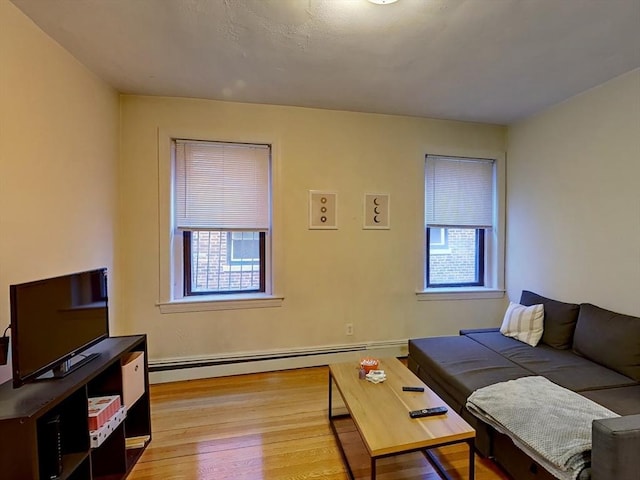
{"x":178,"y":364}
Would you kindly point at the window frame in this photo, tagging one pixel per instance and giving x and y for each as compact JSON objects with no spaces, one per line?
{"x":187,"y":268}
{"x":494,"y":238}
{"x":171,"y":297}
{"x":480,"y":260}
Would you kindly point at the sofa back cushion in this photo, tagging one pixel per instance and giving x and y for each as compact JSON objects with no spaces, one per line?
{"x":559,"y":319}
{"x":609,"y":338}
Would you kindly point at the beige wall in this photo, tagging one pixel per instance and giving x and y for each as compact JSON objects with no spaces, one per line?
{"x":59,"y":137}
{"x":573,"y":204}
{"x":328,"y":278}
{"x":573,"y":223}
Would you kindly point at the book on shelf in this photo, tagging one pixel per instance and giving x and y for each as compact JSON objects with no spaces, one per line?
{"x":137,"y":442}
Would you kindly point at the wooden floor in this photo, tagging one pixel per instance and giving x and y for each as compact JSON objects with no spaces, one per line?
{"x":268,"y":426}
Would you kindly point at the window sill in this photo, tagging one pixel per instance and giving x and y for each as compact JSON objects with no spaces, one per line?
{"x":226,"y":302}
{"x":461,"y":293}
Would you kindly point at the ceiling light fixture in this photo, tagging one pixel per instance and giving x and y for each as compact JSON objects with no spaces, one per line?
{"x":383,"y":2}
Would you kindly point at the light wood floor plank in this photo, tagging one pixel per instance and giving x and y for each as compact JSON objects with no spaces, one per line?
{"x":268,"y":426}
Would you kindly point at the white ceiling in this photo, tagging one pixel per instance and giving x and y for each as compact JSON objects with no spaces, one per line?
{"x":494,"y":61}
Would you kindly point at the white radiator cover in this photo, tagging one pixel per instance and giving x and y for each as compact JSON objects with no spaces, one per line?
{"x":196,"y":367}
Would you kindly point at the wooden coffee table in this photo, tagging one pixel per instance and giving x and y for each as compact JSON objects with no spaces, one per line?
{"x":380,"y":413}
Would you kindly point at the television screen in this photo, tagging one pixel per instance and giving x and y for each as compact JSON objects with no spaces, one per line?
{"x":55,"y":319}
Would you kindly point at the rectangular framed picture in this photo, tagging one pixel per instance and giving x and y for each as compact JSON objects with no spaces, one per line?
{"x":376,"y":211}
{"x":323,"y":210}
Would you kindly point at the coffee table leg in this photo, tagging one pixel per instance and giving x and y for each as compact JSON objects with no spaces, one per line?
{"x":335,"y":431}
{"x":439,"y":468}
{"x":373,"y":469}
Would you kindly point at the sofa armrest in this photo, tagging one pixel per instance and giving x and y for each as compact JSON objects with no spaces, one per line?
{"x":478,"y":330}
{"x":615,"y":447}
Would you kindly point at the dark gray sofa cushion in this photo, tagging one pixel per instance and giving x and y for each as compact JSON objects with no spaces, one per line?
{"x":609,"y":338}
{"x":562,"y":367}
{"x":462,"y":365}
{"x":559,"y":319}
{"x":623,"y":400}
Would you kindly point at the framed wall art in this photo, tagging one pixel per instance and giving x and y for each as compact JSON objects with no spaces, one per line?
{"x":376,"y":211}
{"x":323,"y":210}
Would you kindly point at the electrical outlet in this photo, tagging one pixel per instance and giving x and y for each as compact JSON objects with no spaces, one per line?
{"x":348,"y":328}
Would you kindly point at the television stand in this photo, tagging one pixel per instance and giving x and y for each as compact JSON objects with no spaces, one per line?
{"x":71,"y":365}
{"x":29,"y":445}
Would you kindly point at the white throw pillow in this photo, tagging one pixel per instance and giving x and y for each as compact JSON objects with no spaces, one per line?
{"x":523,"y":323}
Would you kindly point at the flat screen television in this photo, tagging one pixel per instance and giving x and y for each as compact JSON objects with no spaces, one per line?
{"x":53,"y":321}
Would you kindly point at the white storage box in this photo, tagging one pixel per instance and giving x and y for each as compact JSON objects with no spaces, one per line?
{"x":132,"y":378}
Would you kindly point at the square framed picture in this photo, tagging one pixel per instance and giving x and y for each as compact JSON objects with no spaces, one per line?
{"x":323,"y":210}
{"x":376,"y":211}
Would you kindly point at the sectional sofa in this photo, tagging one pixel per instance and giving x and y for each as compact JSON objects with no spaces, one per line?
{"x":584,"y":348}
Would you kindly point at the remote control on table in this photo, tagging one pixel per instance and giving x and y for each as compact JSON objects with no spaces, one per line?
{"x":428,"y":412}
{"x":413,"y":389}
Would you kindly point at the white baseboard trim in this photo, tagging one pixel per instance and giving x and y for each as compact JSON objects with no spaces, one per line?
{"x":192,"y":368}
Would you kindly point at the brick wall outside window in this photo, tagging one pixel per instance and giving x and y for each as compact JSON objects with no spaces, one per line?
{"x":212,"y":269}
{"x":457,"y":263}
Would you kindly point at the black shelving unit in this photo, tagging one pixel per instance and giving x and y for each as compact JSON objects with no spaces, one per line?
{"x":26,"y":411}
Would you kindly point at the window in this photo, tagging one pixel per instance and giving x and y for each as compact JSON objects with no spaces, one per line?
{"x":244,"y":248}
{"x":222,"y":212}
{"x":219,"y":261}
{"x":439,"y":240}
{"x":462,"y":265}
{"x":459,"y":211}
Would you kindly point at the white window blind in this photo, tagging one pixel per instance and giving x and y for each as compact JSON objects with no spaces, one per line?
{"x":459,"y":192}
{"x":221,"y":186}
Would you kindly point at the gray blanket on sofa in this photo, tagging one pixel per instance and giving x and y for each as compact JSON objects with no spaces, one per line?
{"x":548,"y":422}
